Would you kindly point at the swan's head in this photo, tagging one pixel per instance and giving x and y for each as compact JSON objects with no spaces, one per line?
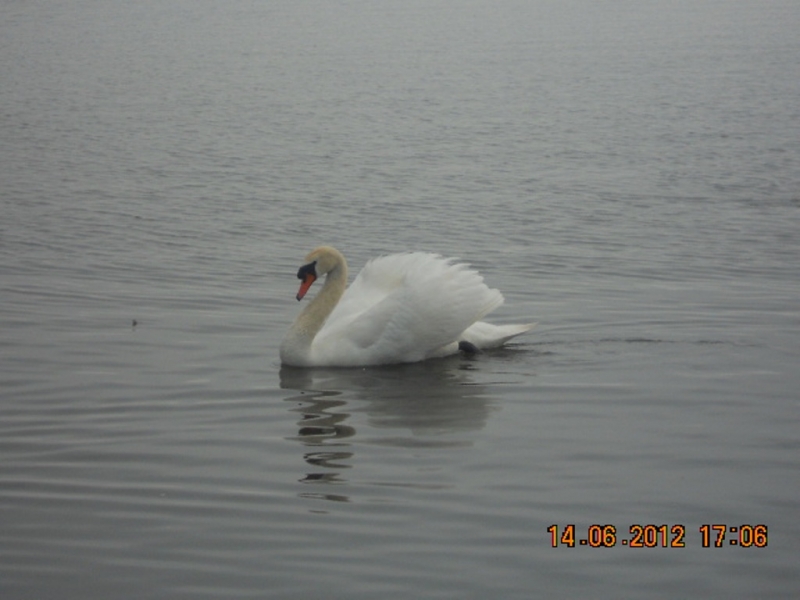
{"x":319,"y":262}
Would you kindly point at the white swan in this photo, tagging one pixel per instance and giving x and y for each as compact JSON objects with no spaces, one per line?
{"x":400,"y":308}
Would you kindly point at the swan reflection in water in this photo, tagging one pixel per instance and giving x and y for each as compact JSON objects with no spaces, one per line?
{"x":415,"y":405}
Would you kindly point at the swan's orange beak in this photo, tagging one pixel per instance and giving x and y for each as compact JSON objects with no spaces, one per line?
{"x":307,"y":281}
{"x":308,"y":275}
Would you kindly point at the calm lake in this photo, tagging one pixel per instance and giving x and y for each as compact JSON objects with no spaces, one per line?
{"x":626,"y":173}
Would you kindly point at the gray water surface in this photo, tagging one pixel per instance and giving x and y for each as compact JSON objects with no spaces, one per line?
{"x":626,"y":173}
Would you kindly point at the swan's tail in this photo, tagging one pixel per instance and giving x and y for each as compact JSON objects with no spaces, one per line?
{"x":484,"y":335}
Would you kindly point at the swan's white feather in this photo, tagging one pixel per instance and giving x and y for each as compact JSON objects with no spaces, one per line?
{"x":485,"y":335}
{"x":402,"y":308}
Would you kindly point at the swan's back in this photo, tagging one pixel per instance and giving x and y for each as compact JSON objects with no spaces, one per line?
{"x":403,"y":308}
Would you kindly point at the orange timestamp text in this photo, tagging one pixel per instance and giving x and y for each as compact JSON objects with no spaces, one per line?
{"x":658,"y":536}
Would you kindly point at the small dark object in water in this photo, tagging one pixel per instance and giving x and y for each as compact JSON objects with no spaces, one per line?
{"x":468,"y":347}
{"x":134,"y":323}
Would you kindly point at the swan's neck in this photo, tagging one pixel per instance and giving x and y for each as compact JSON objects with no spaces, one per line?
{"x":296,"y":345}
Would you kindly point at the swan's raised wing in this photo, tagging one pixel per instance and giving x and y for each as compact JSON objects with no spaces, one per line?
{"x":378,"y":279}
{"x":403,"y":308}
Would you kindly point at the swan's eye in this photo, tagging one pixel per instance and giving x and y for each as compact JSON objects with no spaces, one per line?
{"x":308,"y":269}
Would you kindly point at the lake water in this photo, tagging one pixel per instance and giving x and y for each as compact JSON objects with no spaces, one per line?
{"x":627,"y":173}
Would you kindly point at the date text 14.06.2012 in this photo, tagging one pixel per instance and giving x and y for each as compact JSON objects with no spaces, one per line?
{"x":658,"y":536}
